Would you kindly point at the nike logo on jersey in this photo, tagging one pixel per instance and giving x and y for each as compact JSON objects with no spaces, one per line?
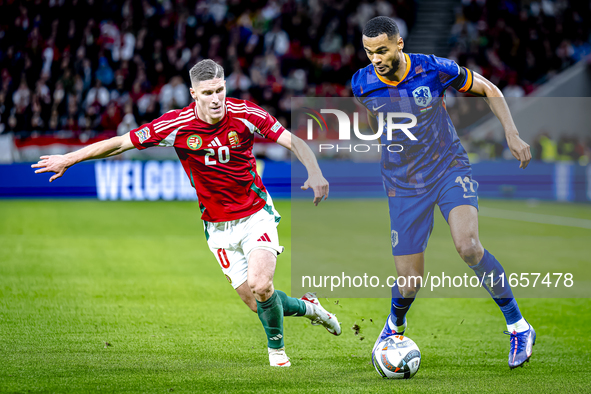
{"x":215,"y":142}
{"x":376,"y":108}
{"x":465,"y":196}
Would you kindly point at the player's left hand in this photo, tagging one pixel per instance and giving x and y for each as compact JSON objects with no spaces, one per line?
{"x":520,"y":150}
{"x":319,"y":185}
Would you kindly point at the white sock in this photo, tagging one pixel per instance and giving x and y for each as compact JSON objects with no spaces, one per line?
{"x":519,"y":326}
{"x":394,"y":326}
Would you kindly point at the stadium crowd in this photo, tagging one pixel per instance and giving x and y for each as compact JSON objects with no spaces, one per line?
{"x":544,"y":147}
{"x":89,"y":68}
{"x":519,"y":45}
{"x":77,"y":67}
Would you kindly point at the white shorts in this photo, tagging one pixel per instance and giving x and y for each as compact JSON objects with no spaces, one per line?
{"x":232,"y":242}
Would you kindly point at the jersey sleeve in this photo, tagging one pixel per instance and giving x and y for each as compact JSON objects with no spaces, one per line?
{"x":266,"y":125}
{"x":156,"y":132}
{"x":450,"y":74}
{"x":357,"y":88}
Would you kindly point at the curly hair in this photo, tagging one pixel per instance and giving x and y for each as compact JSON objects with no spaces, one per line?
{"x":380,"y":25}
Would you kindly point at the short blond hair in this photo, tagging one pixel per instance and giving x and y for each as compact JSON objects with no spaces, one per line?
{"x":205,"y":70}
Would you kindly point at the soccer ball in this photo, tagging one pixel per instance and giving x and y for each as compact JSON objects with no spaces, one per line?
{"x":396,"y":357}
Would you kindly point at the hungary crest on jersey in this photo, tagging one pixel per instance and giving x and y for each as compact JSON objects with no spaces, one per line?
{"x":233,"y":138}
{"x":194,"y":142}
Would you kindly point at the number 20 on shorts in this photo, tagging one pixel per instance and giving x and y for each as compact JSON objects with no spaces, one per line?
{"x":223,"y":258}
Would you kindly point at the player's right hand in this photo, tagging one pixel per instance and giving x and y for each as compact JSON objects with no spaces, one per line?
{"x":319,"y":185}
{"x":52,"y":163}
{"x":520,"y":150}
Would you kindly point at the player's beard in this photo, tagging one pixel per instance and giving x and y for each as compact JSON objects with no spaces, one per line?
{"x":393,"y":69}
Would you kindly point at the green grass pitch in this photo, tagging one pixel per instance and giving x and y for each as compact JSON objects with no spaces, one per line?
{"x":126,"y":296}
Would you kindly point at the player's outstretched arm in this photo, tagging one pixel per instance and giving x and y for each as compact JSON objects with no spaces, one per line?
{"x":519,"y":148}
{"x":99,"y":150}
{"x":303,"y":152}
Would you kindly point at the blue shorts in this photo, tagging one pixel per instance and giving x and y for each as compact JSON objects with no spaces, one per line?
{"x":411,"y":217}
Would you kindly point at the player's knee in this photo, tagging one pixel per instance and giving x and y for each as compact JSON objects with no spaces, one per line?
{"x":470,"y":250}
{"x":261,"y":287}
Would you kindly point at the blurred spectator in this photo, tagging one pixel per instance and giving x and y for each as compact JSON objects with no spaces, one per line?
{"x":97,"y":95}
{"x":3,"y":112}
{"x":111,"y":118}
{"x":104,"y":73}
{"x":512,"y":89}
{"x":277,"y":40}
{"x":237,"y":80}
{"x":331,"y":42}
{"x":22,"y":96}
{"x":174,"y":95}
{"x":549,"y":149}
{"x":109,"y":39}
{"x":128,"y":123}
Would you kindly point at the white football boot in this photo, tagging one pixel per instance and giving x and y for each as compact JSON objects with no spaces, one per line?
{"x":278,"y":358}
{"x":320,"y":316}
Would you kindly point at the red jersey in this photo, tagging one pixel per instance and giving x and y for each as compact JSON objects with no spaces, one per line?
{"x":217,"y":158}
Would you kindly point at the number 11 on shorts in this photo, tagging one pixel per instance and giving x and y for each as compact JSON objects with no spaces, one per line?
{"x":465,"y":181}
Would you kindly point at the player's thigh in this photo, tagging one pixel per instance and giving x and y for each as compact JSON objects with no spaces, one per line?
{"x":411,"y":223}
{"x":260,"y":244}
{"x":260,"y":231}
{"x":458,"y":202}
{"x":229,"y":256}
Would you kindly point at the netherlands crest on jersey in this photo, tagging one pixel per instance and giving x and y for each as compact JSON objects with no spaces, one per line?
{"x":422,"y":96}
{"x":194,"y":142}
{"x":233,"y":138}
{"x":143,"y":134}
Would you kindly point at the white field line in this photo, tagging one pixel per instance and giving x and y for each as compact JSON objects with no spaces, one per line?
{"x":534,"y":217}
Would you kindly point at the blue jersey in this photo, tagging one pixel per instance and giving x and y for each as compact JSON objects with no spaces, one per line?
{"x":420,"y":92}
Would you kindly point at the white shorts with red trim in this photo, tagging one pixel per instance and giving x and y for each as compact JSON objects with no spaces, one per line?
{"x":232,"y":242}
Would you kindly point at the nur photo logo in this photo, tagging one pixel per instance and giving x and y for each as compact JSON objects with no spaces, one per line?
{"x":388,"y":123}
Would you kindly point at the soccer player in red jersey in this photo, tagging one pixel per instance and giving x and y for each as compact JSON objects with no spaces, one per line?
{"x":213,"y":138}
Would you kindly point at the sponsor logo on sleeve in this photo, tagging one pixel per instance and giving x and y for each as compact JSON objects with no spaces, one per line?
{"x":276,"y":127}
{"x":194,"y":142}
{"x":143,"y":134}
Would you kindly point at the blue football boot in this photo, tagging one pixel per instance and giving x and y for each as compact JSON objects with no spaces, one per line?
{"x":521,"y":346}
{"x":387,"y":331}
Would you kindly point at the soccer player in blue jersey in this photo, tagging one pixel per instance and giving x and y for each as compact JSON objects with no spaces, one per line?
{"x":433,"y":169}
